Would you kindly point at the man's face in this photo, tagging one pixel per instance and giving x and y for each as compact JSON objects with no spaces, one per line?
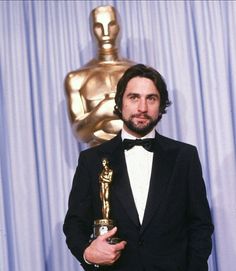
{"x":105,"y":25}
{"x":140,"y":106}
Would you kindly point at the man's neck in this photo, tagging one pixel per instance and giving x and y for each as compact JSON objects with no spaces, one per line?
{"x":126,"y":134}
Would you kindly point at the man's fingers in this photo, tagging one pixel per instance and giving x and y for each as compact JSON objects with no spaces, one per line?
{"x":101,"y":252}
{"x":120,"y":246}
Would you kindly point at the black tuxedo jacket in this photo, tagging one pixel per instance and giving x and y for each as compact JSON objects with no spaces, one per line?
{"x":176,"y":231}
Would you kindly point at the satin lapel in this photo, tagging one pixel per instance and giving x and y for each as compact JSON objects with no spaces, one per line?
{"x":120,"y":187}
{"x":161,"y":172}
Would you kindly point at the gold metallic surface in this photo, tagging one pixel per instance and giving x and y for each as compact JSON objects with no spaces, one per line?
{"x":105,"y":222}
{"x":102,"y":226}
{"x":90,"y":90}
{"x":105,"y":180}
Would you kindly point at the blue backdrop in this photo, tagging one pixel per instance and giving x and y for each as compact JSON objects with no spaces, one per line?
{"x":192,"y":43}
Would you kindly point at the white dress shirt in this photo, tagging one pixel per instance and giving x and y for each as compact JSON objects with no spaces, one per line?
{"x":139,"y":165}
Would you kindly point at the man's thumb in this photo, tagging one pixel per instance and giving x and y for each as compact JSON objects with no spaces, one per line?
{"x":109,"y":234}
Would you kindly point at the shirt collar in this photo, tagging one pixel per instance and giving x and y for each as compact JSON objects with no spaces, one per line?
{"x":126,"y":135}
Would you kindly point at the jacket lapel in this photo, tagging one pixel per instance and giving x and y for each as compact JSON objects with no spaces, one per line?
{"x":121,"y":188}
{"x":161,"y":172}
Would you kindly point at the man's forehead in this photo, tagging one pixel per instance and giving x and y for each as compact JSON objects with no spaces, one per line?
{"x":146,"y":92}
{"x":141,"y":84}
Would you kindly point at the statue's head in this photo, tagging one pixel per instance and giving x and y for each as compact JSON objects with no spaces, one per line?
{"x":105,"y":26}
{"x":105,"y":163}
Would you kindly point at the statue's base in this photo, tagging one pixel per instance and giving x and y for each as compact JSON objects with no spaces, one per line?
{"x":102,"y":226}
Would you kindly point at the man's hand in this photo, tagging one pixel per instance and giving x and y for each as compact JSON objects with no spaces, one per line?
{"x":100,"y":252}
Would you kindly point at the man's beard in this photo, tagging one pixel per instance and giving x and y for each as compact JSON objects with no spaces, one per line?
{"x":140,"y":129}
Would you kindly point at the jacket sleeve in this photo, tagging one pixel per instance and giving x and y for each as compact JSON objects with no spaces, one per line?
{"x":78,"y":221}
{"x":200,"y":227}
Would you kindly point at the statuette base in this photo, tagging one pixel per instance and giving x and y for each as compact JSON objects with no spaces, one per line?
{"x":102,"y":226}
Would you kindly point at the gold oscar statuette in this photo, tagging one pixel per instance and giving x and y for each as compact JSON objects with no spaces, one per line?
{"x":105,"y":224}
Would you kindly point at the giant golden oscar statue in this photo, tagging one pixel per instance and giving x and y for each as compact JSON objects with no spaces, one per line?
{"x":90,"y":90}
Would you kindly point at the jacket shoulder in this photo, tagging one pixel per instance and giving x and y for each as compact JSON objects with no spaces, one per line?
{"x":107,"y":146}
{"x":171,"y":143}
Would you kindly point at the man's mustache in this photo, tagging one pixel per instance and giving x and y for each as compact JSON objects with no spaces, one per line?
{"x":146,"y":116}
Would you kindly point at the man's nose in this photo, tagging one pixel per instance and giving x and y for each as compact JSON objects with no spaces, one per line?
{"x":142,"y":106}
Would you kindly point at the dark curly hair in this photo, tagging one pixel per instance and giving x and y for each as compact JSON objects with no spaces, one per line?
{"x":140,"y":70}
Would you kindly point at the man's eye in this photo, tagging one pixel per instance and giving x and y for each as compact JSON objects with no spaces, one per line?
{"x":133,"y":97}
{"x":152,"y":98}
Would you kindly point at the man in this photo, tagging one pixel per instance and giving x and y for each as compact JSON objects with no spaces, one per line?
{"x":157,"y":197}
{"x":90,"y":91}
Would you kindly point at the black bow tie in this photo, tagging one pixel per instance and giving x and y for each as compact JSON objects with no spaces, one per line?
{"x":147,"y":143}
